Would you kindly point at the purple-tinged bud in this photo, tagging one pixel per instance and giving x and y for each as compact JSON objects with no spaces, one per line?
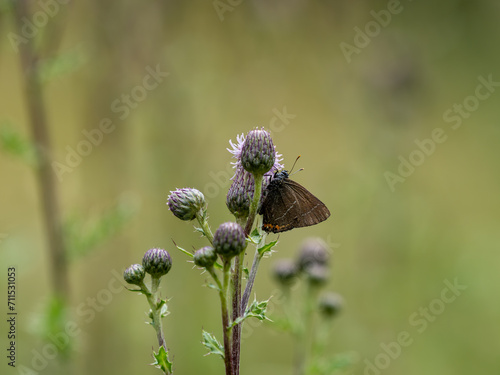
{"x":330,"y":304}
{"x":313,"y":251}
{"x":317,"y":274}
{"x":285,"y":271}
{"x":229,"y":240}
{"x":240,"y":193}
{"x":205,"y":257}
{"x":257,"y":154}
{"x":134,"y":274}
{"x":157,"y":262}
{"x":185,"y":203}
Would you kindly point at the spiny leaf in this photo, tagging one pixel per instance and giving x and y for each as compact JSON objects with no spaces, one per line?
{"x":198,"y":229}
{"x":183,"y":250}
{"x":211,"y":343}
{"x":255,"y":236}
{"x":212,"y":286}
{"x":267,"y":248}
{"x":161,"y":361}
{"x":163,"y":308}
{"x":255,"y":310}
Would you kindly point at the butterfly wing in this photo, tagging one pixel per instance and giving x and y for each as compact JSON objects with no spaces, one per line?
{"x":292,"y":206}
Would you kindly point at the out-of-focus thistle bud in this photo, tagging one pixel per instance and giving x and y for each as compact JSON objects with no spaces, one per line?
{"x":317,"y":274}
{"x":185,"y":203}
{"x":285,"y":271}
{"x":157,"y":262}
{"x":134,"y":274}
{"x":257,"y":154}
{"x":240,"y":193}
{"x":330,"y":304}
{"x":229,"y":240}
{"x":205,"y":257}
{"x":313,"y":251}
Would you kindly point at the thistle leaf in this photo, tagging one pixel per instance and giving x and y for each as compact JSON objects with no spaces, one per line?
{"x":255,"y":236}
{"x":161,"y":361}
{"x":211,"y":343}
{"x":267,"y":248}
{"x":255,"y":310}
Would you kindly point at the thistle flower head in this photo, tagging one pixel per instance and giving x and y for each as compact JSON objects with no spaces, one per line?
{"x":229,"y":240}
{"x":185,"y":203}
{"x":241,"y":191}
{"x":237,"y":150}
{"x":134,"y":274}
{"x":317,"y":274}
{"x":312,"y":252}
{"x":157,"y":262}
{"x":205,"y":257}
{"x":285,"y":271}
{"x":330,"y":304}
{"x":257,"y":154}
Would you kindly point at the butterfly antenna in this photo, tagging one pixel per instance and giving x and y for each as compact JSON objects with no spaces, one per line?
{"x":295,"y":162}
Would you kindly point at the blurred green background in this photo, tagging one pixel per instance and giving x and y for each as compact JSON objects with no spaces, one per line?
{"x":230,"y":70}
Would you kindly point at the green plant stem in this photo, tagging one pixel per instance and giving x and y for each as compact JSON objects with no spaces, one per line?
{"x":201,"y":216}
{"x":226,"y":322}
{"x":304,"y":339}
{"x":252,"y":275}
{"x":239,"y":305}
{"x":321,"y":337}
{"x":156,"y":312}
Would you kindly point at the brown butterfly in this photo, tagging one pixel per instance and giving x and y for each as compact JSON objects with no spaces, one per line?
{"x":288,"y":205}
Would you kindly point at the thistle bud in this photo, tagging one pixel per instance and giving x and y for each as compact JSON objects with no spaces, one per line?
{"x":185,"y":203}
{"x":317,"y":274}
{"x":134,"y":274}
{"x":257,"y":154}
{"x":240,"y":193}
{"x":229,"y":240}
{"x":330,"y":304}
{"x":157,"y":262}
{"x":205,"y":257}
{"x":313,"y":251}
{"x":285,"y":271}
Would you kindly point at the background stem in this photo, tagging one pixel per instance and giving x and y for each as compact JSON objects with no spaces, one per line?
{"x":45,"y":176}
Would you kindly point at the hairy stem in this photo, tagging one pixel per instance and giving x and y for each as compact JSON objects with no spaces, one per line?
{"x":201,"y":216}
{"x":251,"y":277}
{"x":226,"y":322}
{"x":238,"y":305}
{"x":153,"y":301}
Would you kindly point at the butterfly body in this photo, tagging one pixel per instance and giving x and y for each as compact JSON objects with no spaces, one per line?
{"x":288,"y":205}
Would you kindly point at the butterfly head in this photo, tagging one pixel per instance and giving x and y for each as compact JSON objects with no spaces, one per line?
{"x":281,"y":175}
